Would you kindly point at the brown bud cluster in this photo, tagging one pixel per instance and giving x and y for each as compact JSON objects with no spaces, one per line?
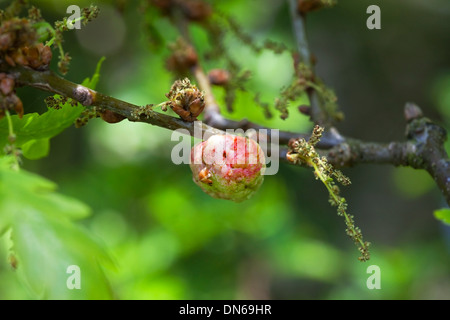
{"x":36,"y":57}
{"x":305,"y":6}
{"x":186,"y":100}
{"x":19,"y":45}
{"x":16,"y":33}
{"x":194,"y":10}
{"x":219,"y":77}
{"x":182,"y":59}
{"x":8,"y":98}
{"x":304,"y":109}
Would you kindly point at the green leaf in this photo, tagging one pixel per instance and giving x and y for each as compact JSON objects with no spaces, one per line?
{"x":92,"y":83}
{"x":443,"y":215}
{"x":45,"y":248}
{"x":36,"y":149}
{"x":44,"y":30}
{"x":38,"y":128}
{"x":46,"y":241}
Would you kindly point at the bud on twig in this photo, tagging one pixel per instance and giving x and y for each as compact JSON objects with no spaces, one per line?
{"x":219,"y":77}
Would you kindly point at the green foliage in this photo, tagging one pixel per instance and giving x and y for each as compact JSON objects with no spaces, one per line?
{"x":33,"y":127}
{"x":172,"y":241}
{"x":260,"y":218}
{"x":181,"y":247}
{"x":36,"y":148}
{"x":412,"y":183}
{"x":443,"y":215}
{"x":45,"y":241}
{"x":44,"y":30}
{"x":302,"y":257}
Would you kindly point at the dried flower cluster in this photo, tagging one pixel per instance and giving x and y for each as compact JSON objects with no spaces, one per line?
{"x":186,"y":100}
{"x":19,"y":45}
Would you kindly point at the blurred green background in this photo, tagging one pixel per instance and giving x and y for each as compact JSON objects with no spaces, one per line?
{"x":172,"y":241}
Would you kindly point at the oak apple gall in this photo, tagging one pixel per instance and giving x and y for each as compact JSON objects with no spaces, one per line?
{"x":228,"y":167}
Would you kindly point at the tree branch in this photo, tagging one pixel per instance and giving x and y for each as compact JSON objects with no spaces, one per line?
{"x":424,"y":149}
{"x":51,"y":82}
{"x":317,"y":114}
{"x":299,"y":27}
